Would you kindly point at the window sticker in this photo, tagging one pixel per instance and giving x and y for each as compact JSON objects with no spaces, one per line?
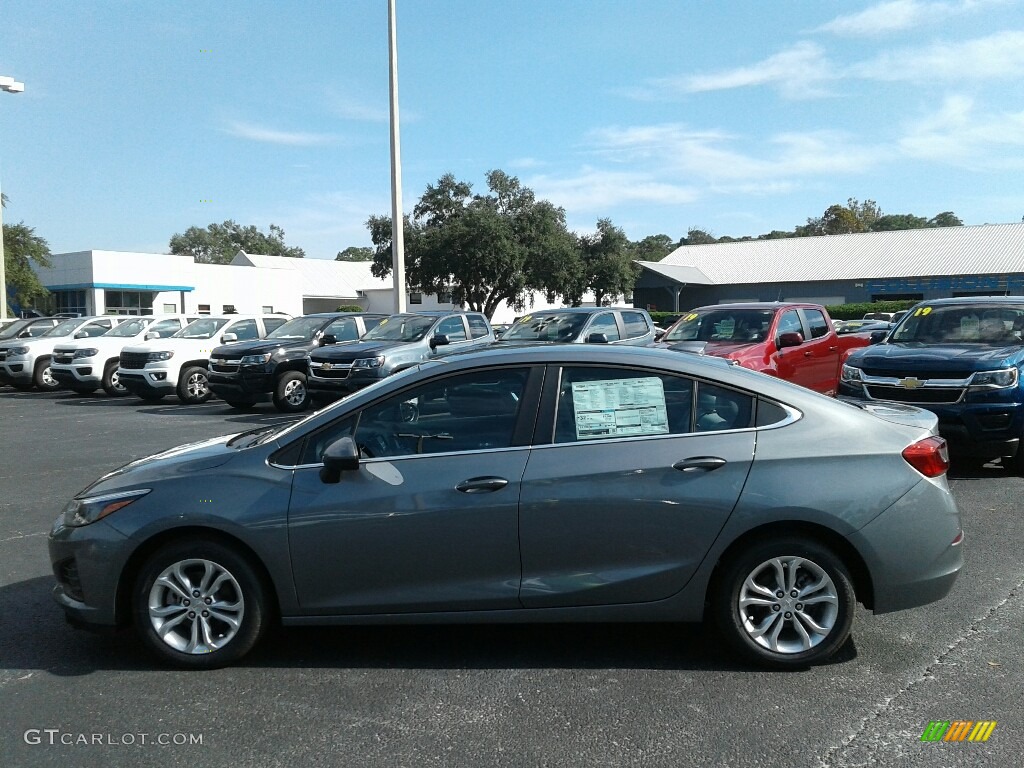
{"x":619,"y":408}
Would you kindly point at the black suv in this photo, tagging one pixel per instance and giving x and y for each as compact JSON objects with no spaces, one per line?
{"x":249,"y":372}
{"x":398,"y":342}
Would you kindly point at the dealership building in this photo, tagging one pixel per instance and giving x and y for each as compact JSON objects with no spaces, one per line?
{"x":912,"y":264}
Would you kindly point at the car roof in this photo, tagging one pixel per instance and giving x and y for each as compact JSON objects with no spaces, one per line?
{"x":977,"y":300}
{"x":755,"y":305}
{"x":581,"y":310}
{"x":325,"y":315}
{"x":436,"y":312}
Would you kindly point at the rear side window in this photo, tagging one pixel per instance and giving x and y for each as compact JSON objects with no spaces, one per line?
{"x":245,"y":330}
{"x":477,"y":326}
{"x":816,"y":323}
{"x":371,"y":322}
{"x":636,"y":324}
{"x":272,"y":323}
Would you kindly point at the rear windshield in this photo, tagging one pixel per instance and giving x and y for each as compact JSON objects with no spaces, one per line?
{"x":962,"y":323}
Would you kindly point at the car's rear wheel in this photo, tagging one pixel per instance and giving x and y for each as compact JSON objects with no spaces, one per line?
{"x":290,"y":394}
{"x":785,"y":603}
{"x":111,"y":382}
{"x":192,"y":386}
{"x":42,"y":377}
{"x":199,"y":604}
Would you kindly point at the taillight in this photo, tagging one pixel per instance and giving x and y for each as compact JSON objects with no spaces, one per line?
{"x":930,"y":456}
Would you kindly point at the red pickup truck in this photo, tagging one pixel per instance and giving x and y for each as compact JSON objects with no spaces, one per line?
{"x":792,"y":341}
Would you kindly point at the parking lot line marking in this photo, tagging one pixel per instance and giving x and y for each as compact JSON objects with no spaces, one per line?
{"x":23,"y":536}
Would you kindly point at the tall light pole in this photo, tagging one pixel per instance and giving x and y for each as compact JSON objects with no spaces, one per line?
{"x":10,"y":85}
{"x":397,"y":221}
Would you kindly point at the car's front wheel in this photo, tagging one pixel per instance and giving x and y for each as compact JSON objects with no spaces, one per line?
{"x":111,"y":381}
{"x":198,"y":604}
{"x":192,"y":386}
{"x":290,"y":394}
{"x":43,"y":378}
{"x":785,"y":603}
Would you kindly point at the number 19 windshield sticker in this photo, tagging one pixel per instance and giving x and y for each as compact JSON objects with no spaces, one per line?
{"x":619,"y":408}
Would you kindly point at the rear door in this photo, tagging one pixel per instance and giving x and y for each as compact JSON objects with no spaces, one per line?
{"x":632,"y":478}
{"x":821,"y":353}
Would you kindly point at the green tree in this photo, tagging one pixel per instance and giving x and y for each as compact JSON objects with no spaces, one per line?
{"x":897,"y":221}
{"x":608,"y":268}
{"x":945,"y":219}
{"x":23,"y":248}
{"x":220,"y":243}
{"x":653,"y":248}
{"x":485,"y":249}
{"x":355,"y":253}
{"x":696,"y":236}
{"x":776,"y":234}
{"x":867,"y":213}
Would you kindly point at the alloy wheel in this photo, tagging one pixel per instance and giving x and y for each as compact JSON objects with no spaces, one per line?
{"x":196,"y":606}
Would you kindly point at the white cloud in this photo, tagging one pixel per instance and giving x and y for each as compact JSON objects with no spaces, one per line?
{"x":260,"y":133}
{"x":594,"y":189}
{"x":349,"y":108}
{"x":956,"y":134}
{"x":326,"y":222}
{"x":998,"y":56}
{"x":798,"y":72}
{"x":898,"y":15}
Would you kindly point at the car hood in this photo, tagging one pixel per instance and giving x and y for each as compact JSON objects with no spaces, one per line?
{"x":101,"y":343}
{"x":256,"y":347}
{"x":346,"y":353}
{"x":902,"y":357}
{"x":160,"y":345}
{"x":39,"y":342}
{"x":179,"y":461}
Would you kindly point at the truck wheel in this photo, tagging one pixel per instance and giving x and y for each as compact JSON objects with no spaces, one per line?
{"x":43,"y":378}
{"x":111,"y":383}
{"x":290,"y":394}
{"x":1016,"y":463}
{"x":192,"y":386}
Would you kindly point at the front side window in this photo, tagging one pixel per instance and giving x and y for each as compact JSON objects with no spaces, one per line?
{"x":465,"y":412}
{"x":790,"y":323}
{"x":605,"y":324}
{"x":343,"y":329}
{"x":604,"y":403}
{"x":453,"y":328}
{"x":273,"y":323}
{"x":165,"y":328}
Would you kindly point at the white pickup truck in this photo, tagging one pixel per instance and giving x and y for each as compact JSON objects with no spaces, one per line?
{"x":25,"y":363}
{"x":82,"y":366}
{"x":179,"y":363}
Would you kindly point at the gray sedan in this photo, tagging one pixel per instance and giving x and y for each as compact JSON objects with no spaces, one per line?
{"x":553,"y":483}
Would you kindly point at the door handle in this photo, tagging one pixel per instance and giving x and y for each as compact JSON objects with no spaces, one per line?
{"x":833,"y":349}
{"x":481,"y":484}
{"x":699,"y":464}
{"x":808,"y":354}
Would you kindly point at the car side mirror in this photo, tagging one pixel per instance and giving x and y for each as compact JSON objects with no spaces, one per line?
{"x":597,"y":338}
{"x":878,"y":336}
{"x":81,"y":335}
{"x":340,"y":456}
{"x":328,"y":338}
{"x":658,"y":335}
{"x":439,"y":340}
{"x":228,"y":338}
{"x":152,"y":335}
{"x":790,"y":339}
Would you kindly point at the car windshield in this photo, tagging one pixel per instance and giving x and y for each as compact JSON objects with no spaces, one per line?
{"x":401,"y":328}
{"x":204,"y":328}
{"x":724,"y":325}
{"x":299,"y":328}
{"x":547,"y":326}
{"x":962,"y":324}
{"x":64,"y":329}
{"x":12,"y":330}
{"x":130,"y":327}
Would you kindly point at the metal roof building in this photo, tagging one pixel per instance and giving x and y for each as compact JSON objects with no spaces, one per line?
{"x":839,"y":269}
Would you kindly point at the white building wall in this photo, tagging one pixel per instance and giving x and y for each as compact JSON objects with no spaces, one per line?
{"x":248,"y":289}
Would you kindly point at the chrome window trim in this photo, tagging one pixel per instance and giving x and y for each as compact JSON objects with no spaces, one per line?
{"x":406,"y":456}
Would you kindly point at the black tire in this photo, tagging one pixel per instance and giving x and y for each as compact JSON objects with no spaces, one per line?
{"x":242,"y":597}
{"x":290,"y":393}
{"x":42,"y":378}
{"x":193,"y":388}
{"x":83,"y":390}
{"x":834,"y":612}
{"x":241,"y":405}
{"x":111,"y":384}
{"x":152,"y":397}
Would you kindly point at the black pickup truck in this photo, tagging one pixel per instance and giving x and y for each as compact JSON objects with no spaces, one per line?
{"x":275,"y":368}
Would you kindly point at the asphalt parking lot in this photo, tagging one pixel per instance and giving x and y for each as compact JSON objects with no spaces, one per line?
{"x":607,"y":695}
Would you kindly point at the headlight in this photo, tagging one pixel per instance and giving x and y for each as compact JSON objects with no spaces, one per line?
{"x":156,"y":357}
{"x":84,"y":353}
{"x":81,"y":512}
{"x":256,"y":359}
{"x":17,"y":351}
{"x":1006,"y":377}
{"x":851,"y":374}
{"x":369,"y":362}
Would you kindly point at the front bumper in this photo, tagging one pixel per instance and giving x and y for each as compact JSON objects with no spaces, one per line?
{"x":79,"y":373}
{"x":87,"y":564}
{"x":147,"y":381}
{"x":249,"y":386}
{"x":19,"y":369}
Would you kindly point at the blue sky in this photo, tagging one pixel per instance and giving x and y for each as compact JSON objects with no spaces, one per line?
{"x":734,"y":117}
